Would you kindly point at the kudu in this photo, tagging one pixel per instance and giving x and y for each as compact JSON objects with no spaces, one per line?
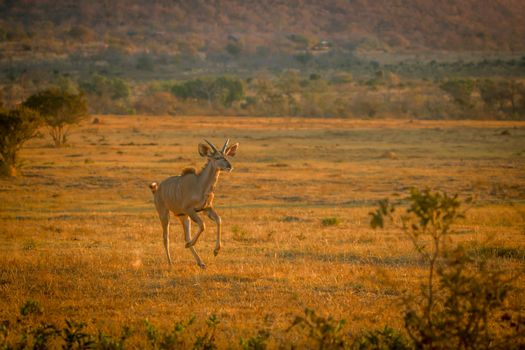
{"x":189,"y":193}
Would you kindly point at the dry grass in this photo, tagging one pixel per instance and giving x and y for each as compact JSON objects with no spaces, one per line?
{"x":79,"y":233}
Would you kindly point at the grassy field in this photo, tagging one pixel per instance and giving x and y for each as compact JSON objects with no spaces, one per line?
{"x":79,"y":233}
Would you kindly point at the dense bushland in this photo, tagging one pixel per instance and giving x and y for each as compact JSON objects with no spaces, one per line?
{"x":294,"y":93}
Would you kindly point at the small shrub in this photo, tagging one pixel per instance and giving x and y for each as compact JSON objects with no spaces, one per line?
{"x":75,"y":337}
{"x":173,"y":339}
{"x":42,"y":335}
{"x":206,"y":341}
{"x":240,"y":234}
{"x":31,"y":307}
{"x":256,"y":343}
{"x":383,"y":339}
{"x":107,"y":342}
{"x":331,"y":221}
{"x":30,"y":244}
{"x":325,"y":332}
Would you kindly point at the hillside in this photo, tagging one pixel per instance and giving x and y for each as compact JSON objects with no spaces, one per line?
{"x":52,"y":28}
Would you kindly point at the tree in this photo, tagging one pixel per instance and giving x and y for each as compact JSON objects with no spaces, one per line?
{"x":16,"y":127}
{"x":60,"y":110}
{"x":145,"y":62}
{"x":234,"y":49}
{"x":501,"y":95}
{"x":228,"y":90}
{"x":304,"y":58}
{"x":100,"y":86}
{"x":222,"y":90}
{"x":460,"y":90}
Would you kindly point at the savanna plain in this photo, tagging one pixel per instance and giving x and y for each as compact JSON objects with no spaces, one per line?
{"x":80,"y":236}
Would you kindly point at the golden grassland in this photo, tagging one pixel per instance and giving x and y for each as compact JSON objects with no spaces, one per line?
{"x":80,"y":235}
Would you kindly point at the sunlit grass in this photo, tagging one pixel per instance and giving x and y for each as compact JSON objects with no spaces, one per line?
{"x":82,"y":237}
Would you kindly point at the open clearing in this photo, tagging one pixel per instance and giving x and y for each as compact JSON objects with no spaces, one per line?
{"x":79,"y":232}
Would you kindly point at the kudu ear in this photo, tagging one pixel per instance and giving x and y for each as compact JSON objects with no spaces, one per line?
{"x":230,"y":151}
{"x":205,"y":150}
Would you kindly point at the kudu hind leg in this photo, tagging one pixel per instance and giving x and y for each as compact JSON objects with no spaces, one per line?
{"x":186,"y":225}
{"x":164,"y":216}
{"x":212,"y":214}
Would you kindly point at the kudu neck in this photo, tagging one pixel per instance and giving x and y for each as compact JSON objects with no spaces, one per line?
{"x":208,"y":177}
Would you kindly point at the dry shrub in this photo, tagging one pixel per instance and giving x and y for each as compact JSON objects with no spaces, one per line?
{"x":157,"y":103}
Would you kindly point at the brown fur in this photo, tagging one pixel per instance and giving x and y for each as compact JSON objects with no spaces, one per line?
{"x":189,"y":170}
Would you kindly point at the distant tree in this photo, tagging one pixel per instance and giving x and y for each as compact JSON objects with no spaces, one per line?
{"x":101,"y":85}
{"x":509,"y":92}
{"x":262,"y":51}
{"x":120,"y":89}
{"x":300,"y":40}
{"x":234,"y":49}
{"x":228,"y":91}
{"x":16,"y":127}
{"x":81,"y":33}
{"x":269,"y":98}
{"x":488,"y":90}
{"x":145,"y":62}
{"x":504,"y":95}
{"x":289,"y":85}
{"x":460,"y":90}
{"x":304,"y":58}
{"x":222,"y":90}
{"x":60,"y":110}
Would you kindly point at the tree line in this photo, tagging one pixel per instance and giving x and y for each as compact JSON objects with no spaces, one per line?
{"x":287,"y":94}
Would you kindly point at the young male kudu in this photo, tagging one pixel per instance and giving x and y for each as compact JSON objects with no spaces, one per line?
{"x":191,"y":192}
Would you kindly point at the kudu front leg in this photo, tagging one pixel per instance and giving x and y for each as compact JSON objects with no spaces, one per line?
{"x":212,"y":214}
{"x":186,"y":224}
{"x":195,"y":217}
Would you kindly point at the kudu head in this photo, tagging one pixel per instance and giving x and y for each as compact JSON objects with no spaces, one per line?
{"x":219,"y":159}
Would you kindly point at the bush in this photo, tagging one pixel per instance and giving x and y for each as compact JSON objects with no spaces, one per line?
{"x":326,"y":333}
{"x":157,"y":103}
{"x":222,"y":91}
{"x":460,"y":91}
{"x":461,"y":304}
{"x":332,"y":221}
{"x":16,"y":127}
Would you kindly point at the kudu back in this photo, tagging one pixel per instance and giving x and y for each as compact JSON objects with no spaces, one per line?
{"x":191,"y":192}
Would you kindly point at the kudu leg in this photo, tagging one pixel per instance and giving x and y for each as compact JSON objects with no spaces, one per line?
{"x":212,"y":214}
{"x":195,"y":217}
{"x":165,"y":221}
{"x":186,"y":224}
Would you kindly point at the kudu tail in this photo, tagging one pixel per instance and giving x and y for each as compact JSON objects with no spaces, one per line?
{"x":153,"y":186}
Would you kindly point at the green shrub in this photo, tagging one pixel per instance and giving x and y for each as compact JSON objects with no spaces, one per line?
{"x":255,"y":343}
{"x":461,"y":304}
{"x":326,"y":333}
{"x":331,"y":221}
{"x":383,"y":339}
{"x":31,"y":307}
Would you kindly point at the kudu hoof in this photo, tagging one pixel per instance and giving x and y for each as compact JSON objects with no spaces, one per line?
{"x":189,"y":244}
{"x":202,"y":265}
{"x":216,"y":252}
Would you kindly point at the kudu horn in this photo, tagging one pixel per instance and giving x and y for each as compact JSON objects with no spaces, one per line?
{"x":212,"y":146}
{"x":225,"y":145}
